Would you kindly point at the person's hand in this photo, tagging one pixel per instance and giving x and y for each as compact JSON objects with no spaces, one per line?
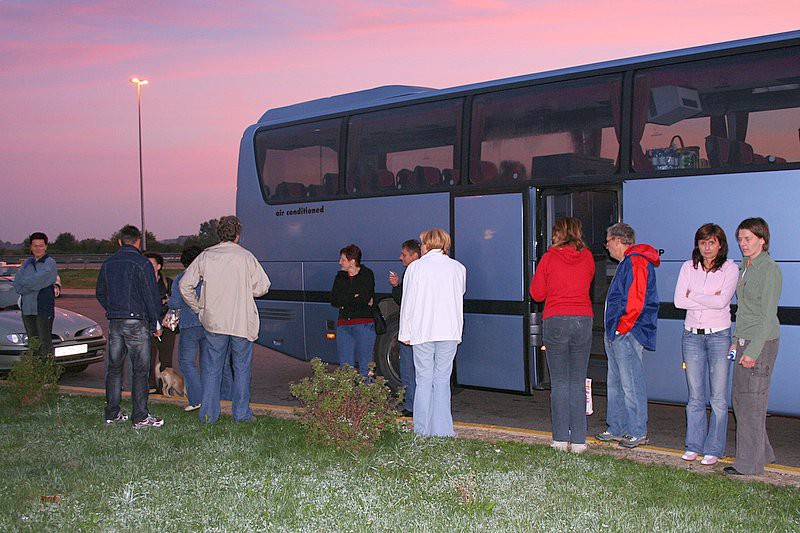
{"x":158,"y":333}
{"x":747,"y":362}
{"x":394,"y":279}
{"x":370,"y":302}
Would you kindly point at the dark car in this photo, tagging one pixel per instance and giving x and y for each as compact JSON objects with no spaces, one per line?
{"x":78,"y":341}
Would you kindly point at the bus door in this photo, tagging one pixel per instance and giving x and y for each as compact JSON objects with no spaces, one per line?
{"x":489,"y":236}
{"x":597,"y":208}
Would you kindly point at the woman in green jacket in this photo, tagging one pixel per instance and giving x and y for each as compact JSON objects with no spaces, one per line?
{"x":755,"y":342}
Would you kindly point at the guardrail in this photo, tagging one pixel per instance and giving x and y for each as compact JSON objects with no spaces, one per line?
{"x":82,"y":260}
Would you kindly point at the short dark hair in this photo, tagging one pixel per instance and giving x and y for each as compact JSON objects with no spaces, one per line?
{"x":624,"y":232}
{"x":37,"y":235}
{"x":189,"y":254}
{"x":758,"y":226}
{"x":157,"y":256}
{"x":351,"y":251}
{"x":703,"y":233}
{"x":130,"y":234}
{"x":228,"y":228}
{"x":412,"y":245}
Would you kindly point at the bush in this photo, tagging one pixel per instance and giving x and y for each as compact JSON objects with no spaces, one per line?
{"x":342,"y":409}
{"x":34,"y":380}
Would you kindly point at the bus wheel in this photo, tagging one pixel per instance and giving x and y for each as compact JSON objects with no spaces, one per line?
{"x":387,"y":353}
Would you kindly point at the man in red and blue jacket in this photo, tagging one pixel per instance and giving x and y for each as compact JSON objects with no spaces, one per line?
{"x":631,"y":319}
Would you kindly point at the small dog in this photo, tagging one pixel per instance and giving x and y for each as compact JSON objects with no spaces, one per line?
{"x":171,"y":381}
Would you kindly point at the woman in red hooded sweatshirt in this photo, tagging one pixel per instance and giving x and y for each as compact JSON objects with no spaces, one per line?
{"x":562,"y":281}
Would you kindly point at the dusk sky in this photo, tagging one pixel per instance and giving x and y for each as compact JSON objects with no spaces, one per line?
{"x":68,"y":146}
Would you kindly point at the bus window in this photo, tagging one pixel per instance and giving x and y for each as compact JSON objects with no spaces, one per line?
{"x":300,"y":162}
{"x":547,"y":132}
{"x":409,"y":148}
{"x":741,"y":111}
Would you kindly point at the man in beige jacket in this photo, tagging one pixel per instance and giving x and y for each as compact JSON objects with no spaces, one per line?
{"x":231,"y":278}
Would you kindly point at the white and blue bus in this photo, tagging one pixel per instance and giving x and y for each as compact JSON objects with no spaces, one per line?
{"x":665,"y":142}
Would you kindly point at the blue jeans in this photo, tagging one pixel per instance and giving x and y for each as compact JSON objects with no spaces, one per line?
{"x":191,"y":341}
{"x":568,"y":340}
{"x":627,"y":389}
{"x":408,"y":375}
{"x":356,"y":343}
{"x":131,"y":338}
{"x":241,"y":353}
{"x":433,"y":362}
{"x":706,"y":358}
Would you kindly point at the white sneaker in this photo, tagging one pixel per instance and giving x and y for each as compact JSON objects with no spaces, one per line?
{"x":560,"y":445}
{"x":192,"y":407}
{"x":578,"y":448}
{"x":689,"y":456}
{"x":709,"y":460}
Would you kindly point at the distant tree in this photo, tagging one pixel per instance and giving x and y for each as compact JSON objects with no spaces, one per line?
{"x":65,"y":242}
{"x":208,"y":233}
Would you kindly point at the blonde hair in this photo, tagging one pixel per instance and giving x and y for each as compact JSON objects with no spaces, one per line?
{"x":568,"y":230}
{"x":436,"y":239}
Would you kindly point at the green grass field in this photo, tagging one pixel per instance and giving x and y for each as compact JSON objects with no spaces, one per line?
{"x":265,"y":477}
{"x":86,"y":278}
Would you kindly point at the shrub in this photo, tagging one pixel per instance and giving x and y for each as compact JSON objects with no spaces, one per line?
{"x":34,"y":380}
{"x":342,"y":409}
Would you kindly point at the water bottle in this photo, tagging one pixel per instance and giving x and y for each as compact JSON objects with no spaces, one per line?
{"x":732,"y":355}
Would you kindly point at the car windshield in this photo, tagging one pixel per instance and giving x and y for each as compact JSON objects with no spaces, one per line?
{"x":8,"y":296}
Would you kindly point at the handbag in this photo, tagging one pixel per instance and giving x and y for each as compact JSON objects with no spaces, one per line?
{"x":377,"y":317}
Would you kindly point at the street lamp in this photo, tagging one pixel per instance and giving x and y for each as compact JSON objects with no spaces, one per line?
{"x":139,"y":83}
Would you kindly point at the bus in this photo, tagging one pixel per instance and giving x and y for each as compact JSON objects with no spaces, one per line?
{"x":665,"y":142}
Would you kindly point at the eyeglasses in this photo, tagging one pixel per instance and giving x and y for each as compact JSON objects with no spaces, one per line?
{"x":608,"y":240}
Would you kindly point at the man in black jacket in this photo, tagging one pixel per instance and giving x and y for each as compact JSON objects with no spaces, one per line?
{"x":410,"y":252}
{"x":127,"y":290}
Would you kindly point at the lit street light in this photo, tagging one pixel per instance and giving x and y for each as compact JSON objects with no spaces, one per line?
{"x":139,"y":84}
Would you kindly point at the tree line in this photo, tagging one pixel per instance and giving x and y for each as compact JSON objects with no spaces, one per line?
{"x":66,"y":242}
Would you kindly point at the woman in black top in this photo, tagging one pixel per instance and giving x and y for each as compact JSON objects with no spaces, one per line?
{"x":161,"y":351}
{"x":352,"y":292}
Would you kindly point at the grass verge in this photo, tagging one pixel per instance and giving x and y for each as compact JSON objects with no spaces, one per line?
{"x":86,"y":278}
{"x":265,"y":476}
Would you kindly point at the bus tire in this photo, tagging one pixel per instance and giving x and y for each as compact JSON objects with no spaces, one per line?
{"x":387,"y":353}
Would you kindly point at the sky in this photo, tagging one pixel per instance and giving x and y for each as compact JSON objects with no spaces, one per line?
{"x":69,"y":136}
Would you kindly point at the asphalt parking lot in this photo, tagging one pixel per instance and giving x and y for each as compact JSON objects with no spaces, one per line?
{"x":273,"y":372}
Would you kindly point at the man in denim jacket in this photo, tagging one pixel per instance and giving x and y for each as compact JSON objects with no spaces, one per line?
{"x":127,"y":290}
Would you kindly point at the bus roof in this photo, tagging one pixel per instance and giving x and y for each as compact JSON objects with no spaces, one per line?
{"x":402,"y":93}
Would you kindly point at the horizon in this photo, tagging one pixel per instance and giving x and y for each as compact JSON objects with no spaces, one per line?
{"x":70,"y":141}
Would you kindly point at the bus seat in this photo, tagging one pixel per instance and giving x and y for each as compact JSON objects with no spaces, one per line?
{"x":428,"y":176}
{"x":487,"y":173}
{"x":512,"y":170}
{"x":406,"y":179}
{"x":451,"y":176}
{"x":330,"y":182}
{"x":718,"y":150}
{"x":290,"y":189}
{"x":384,"y":180}
{"x":364,"y":183}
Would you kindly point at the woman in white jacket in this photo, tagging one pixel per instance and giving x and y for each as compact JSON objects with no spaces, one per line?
{"x":432,"y":320}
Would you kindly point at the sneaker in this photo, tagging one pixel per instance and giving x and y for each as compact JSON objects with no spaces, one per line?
{"x":151,"y":390}
{"x":632,"y":442}
{"x":190,"y":407}
{"x":149,"y":422}
{"x":709,"y":460}
{"x":121,"y":417}
{"x":607,"y":436}
{"x":560,"y":445}
{"x":578,"y":448}
{"x":689,"y":456}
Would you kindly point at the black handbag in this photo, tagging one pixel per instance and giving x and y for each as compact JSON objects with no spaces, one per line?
{"x":377,"y":317}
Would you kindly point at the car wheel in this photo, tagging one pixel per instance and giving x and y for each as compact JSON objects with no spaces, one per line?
{"x":57,"y":290}
{"x":387,"y":353}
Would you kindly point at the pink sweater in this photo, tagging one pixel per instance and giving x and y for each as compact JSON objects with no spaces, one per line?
{"x":704,"y":307}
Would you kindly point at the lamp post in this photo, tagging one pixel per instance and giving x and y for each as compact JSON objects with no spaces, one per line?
{"x":138,"y":82}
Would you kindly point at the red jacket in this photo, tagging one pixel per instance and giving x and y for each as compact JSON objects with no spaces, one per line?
{"x":562,"y":280}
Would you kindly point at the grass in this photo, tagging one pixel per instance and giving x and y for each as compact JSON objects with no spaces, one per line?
{"x":86,"y":278}
{"x":265,"y":476}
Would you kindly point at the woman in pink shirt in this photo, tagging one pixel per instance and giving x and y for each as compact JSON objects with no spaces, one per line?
{"x":705,"y":287}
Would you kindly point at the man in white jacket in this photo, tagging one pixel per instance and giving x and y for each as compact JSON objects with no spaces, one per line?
{"x":231,"y":277}
{"x":432,"y":321}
